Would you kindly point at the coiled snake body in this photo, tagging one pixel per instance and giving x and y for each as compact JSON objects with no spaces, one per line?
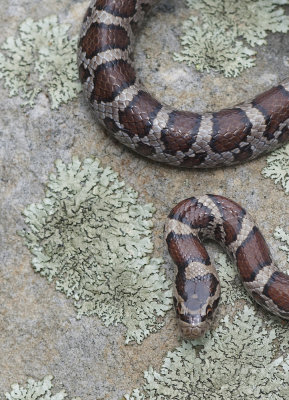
{"x":135,"y":118}
{"x":197,"y":289}
{"x":186,"y":139}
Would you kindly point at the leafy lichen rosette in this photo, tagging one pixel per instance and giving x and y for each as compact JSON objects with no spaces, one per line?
{"x":278,"y":167}
{"x":41,"y":58}
{"x":238,"y":361}
{"x":36,"y":390}
{"x":222,"y":34}
{"x":93,"y":238}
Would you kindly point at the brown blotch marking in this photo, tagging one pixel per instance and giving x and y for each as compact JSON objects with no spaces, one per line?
{"x":258,"y":298}
{"x":181,"y":131}
{"x":87,"y":14}
{"x":145,"y":149}
{"x":252,"y":255}
{"x":194,"y":161}
{"x":274,"y":105}
{"x":111,"y":125}
{"x":218,"y":234}
{"x":245,"y":153}
{"x":120,"y":8}
{"x":277,"y":289}
{"x":230,"y":128}
{"x":137,"y":119}
{"x":102,"y":37}
{"x":110,"y":79}
{"x":145,"y":7}
{"x":185,"y":249}
{"x":197,"y":291}
{"x":284,"y":136}
{"x":232,"y":215}
{"x":134,"y":27}
{"x":84,"y":73}
{"x":192,"y":213}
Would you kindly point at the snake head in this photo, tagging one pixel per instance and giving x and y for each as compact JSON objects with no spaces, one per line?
{"x":194,"y":323}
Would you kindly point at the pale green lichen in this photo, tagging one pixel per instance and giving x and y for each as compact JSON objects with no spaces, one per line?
{"x":41,"y":58}
{"x":231,"y":287}
{"x":36,"y":390}
{"x":278,"y":167}
{"x":92,"y":237}
{"x":281,"y":235}
{"x":218,"y":36}
{"x":238,"y":361}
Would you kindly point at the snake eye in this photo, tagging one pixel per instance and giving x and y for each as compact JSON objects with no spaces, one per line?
{"x":209,"y":311}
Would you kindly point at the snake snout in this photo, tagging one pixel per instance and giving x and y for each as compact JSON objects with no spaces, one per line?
{"x":194,"y":327}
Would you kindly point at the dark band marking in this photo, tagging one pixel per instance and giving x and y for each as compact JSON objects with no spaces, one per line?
{"x":137,"y":119}
{"x":145,"y":7}
{"x":232,"y":215}
{"x":277,"y":290}
{"x":84,"y":73}
{"x":134,"y":27}
{"x":124,"y":8}
{"x":274,"y":105}
{"x":111,"y":79}
{"x":111,"y":125}
{"x":252,"y":255}
{"x":218,"y":233}
{"x":185,"y":249}
{"x":181,"y":131}
{"x":102,"y":37}
{"x":194,"y":161}
{"x":230,"y":128}
{"x":145,"y":149}
{"x":284,"y":136}
{"x":257,"y":297}
{"x":192,"y":213}
{"x":245,"y":153}
{"x":87,"y":14}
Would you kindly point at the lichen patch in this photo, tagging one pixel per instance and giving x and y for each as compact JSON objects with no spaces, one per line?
{"x":40,"y":58}
{"x":36,"y":390}
{"x":222,"y":35}
{"x":278,"y":167}
{"x":239,"y":360}
{"x":93,"y":238}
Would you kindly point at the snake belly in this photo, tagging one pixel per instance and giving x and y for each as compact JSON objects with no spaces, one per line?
{"x":197,"y":286}
{"x":161,"y":133}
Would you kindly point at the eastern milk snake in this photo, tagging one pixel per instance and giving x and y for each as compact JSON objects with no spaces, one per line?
{"x":187,"y":139}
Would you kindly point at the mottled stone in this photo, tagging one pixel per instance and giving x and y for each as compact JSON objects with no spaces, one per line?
{"x":39,"y":333}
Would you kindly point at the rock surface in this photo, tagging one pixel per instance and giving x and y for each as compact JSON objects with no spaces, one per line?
{"x":39,"y":332}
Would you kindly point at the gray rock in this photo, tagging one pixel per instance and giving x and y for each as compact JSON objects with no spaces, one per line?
{"x":39,"y":332}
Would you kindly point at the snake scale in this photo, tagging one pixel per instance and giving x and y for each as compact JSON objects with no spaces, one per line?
{"x":191,"y":140}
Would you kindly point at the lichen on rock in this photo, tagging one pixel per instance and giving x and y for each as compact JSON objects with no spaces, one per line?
{"x":232,"y":288}
{"x":278,"y":167}
{"x":40,"y":58}
{"x":222,"y":35}
{"x":283,"y":237}
{"x":94,"y":239}
{"x":239,"y":360}
{"x":36,"y":390}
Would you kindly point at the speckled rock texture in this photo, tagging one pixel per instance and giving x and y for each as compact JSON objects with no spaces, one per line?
{"x":39,"y":332}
